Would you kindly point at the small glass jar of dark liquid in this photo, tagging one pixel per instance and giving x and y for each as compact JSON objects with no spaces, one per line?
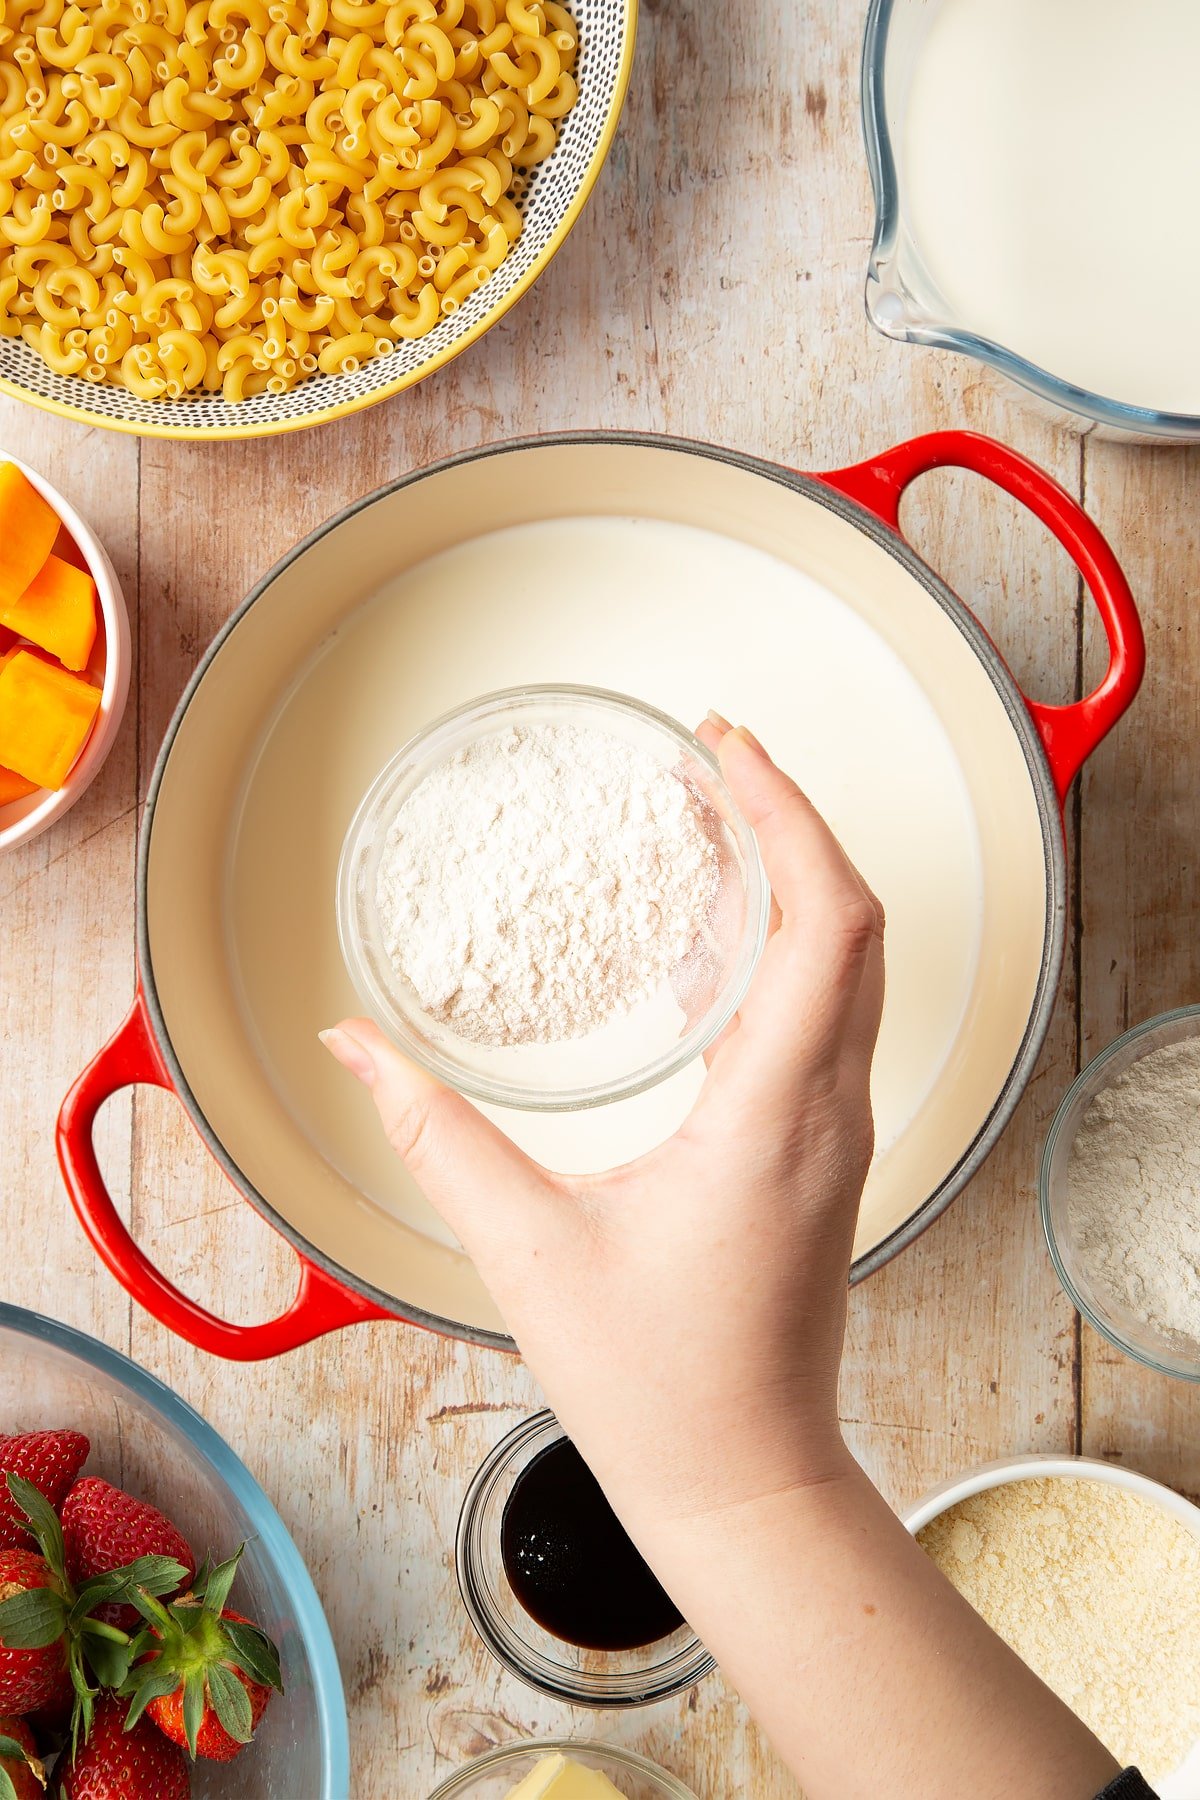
{"x":556,"y":1588}
{"x":571,"y":1563}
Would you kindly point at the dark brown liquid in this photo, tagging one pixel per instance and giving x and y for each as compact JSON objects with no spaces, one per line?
{"x":572,"y":1565}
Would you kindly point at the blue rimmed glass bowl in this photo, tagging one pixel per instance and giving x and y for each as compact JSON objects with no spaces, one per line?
{"x":146,"y":1439}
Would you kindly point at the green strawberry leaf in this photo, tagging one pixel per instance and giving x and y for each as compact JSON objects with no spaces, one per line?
{"x":7,"y":1790}
{"x":150,"y":1608}
{"x":90,"y":1594}
{"x":83,"y":1709}
{"x":252,"y":1651}
{"x":154,"y":1574}
{"x":187,"y":1616}
{"x":157,"y":1574}
{"x":142,"y":1688}
{"x":32,"y":1619}
{"x":43,"y":1523}
{"x":100,"y":1628}
{"x":193,"y":1708}
{"x":218,"y":1583}
{"x":231,"y":1703}
{"x":109,"y":1661}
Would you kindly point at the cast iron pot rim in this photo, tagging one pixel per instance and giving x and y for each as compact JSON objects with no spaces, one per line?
{"x":811,"y":487}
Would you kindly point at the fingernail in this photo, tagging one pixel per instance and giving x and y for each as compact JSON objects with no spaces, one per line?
{"x":744,"y":731}
{"x":350,"y":1053}
{"x":721,"y":723}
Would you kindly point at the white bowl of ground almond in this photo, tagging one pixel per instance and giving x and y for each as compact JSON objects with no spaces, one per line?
{"x":1091,"y":1572}
{"x":1120,"y":1193}
{"x":550,"y":899}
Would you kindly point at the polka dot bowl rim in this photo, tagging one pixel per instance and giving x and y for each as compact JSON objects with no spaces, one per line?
{"x":552,"y":199}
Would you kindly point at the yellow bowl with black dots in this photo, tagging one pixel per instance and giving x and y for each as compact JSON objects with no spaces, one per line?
{"x":550,"y":198}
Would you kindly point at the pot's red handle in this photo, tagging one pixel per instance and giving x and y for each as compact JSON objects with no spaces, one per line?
{"x":1069,"y":733}
{"x":321,"y":1304}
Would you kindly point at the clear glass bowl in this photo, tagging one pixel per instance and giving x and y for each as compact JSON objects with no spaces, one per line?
{"x":494,"y":1776}
{"x":147,"y":1440}
{"x":631,"y":1054}
{"x":601,"y":1678}
{"x":1168,"y":1355}
{"x":903,"y":301}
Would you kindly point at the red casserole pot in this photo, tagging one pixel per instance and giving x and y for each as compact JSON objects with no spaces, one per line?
{"x":279,"y":1117}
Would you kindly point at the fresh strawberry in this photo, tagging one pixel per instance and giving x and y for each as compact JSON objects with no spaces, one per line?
{"x":50,"y":1460}
{"x":31,"y":1672}
{"x":104,"y":1529}
{"x":48,"y":1625}
{"x":116,"y":1764}
{"x":212,"y":1739}
{"x":22,"y":1774}
{"x":207,"y":1673}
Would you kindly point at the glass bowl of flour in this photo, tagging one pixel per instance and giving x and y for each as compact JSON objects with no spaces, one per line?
{"x":1120,"y":1193}
{"x":550,"y":899}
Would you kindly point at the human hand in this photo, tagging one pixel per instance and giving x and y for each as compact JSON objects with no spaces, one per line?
{"x":685,"y":1313}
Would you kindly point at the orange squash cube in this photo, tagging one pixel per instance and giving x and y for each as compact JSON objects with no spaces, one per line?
{"x":14,"y":786}
{"x":28,"y":528}
{"x":45,"y":716}
{"x":57,"y":611}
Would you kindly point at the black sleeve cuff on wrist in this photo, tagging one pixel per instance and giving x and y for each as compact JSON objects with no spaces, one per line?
{"x":1128,"y":1786}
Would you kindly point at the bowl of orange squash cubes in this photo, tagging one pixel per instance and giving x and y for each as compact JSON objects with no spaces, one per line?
{"x":64,"y":654}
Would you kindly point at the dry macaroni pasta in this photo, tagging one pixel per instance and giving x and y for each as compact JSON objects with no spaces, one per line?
{"x":233,"y":194}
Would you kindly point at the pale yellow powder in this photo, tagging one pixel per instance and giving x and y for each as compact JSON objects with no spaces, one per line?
{"x":1099,"y":1592}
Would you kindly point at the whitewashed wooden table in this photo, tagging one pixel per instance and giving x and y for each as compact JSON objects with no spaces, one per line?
{"x":712,"y":289}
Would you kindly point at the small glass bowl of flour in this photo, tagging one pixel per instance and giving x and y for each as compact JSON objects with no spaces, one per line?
{"x":1120,"y":1193}
{"x":550,"y":899}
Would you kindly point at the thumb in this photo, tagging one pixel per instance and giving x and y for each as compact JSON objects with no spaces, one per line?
{"x":474,"y":1176}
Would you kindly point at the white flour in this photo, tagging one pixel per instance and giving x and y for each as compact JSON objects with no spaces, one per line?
{"x":543,"y":881}
{"x":1134,"y":1199}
